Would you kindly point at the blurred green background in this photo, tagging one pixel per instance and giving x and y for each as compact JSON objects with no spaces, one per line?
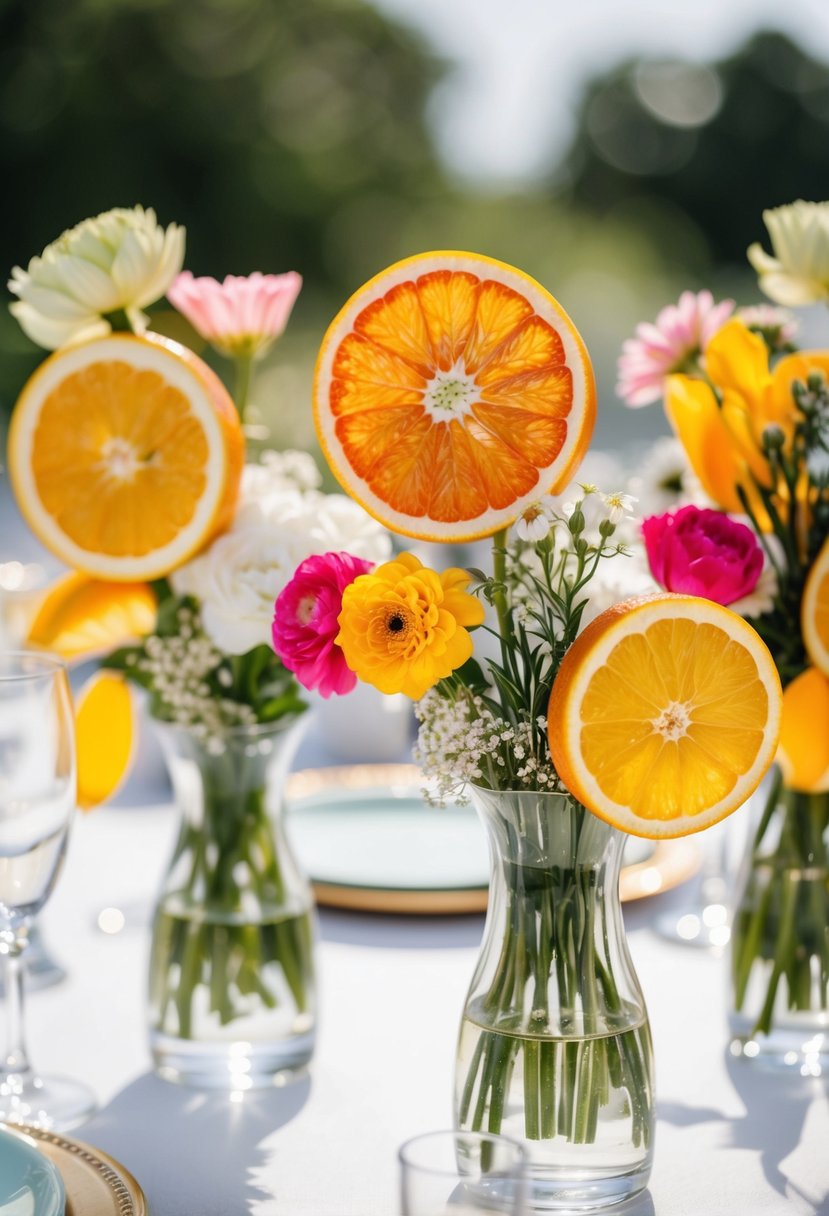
{"x":300,"y":135}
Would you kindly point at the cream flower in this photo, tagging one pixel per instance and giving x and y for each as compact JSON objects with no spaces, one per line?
{"x":277,"y":526}
{"x":799,"y":273}
{"x":120,"y":260}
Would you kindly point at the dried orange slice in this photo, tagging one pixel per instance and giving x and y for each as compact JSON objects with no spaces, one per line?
{"x":665,"y":715}
{"x":81,"y":616}
{"x":125,"y":455}
{"x":105,"y":737}
{"x":803,"y":754}
{"x":814,"y":611}
{"x":451,"y":391}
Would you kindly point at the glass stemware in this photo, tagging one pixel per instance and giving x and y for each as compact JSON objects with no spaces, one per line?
{"x":37,"y":801}
{"x":458,"y":1173}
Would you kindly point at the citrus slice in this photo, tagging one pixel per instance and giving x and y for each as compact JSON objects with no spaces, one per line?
{"x":803,"y":754}
{"x":814,"y":611}
{"x":125,"y":456}
{"x":105,"y":737}
{"x":450,"y":392}
{"x":81,"y":616}
{"x":665,"y":715}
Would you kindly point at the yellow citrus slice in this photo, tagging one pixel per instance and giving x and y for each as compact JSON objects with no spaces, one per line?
{"x":125,"y":455}
{"x":105,"y":737}
{"x":803,"y":754}
{"x":814,"y":611}
{"x":451,"y":391}
{"x":665,"y":715}
{"x":81,"y":616}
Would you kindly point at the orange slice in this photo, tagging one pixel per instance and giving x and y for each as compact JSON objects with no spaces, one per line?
{"x":803,"y":754}
{"x":814,"y":611}
{"x":665,"y":715}
{"x":81,"y":616}
{"x":105,"y":737}
{"x":450,"y":392}
{"x":125,"y":455}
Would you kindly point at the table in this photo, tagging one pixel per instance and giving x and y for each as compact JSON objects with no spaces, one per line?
{"x":729,"y":1139}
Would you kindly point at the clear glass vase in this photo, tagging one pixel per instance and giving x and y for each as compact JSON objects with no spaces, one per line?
{"x":780,"y":936}
{"x":555,"y":1048}
{"x":231,"y":991}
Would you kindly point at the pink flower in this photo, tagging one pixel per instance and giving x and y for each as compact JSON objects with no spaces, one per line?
{"x":305,"y":622}
{"x":673,"y":343}
{"x":241,"y":316}
{"x":703,"y":552}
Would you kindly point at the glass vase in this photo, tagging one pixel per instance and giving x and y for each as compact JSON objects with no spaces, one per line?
{"x":231,"y":990}
{"x":555,"y":1047}
{"x":780,"y":935}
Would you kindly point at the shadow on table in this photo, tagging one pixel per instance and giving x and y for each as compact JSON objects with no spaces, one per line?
{"x":400,"y":932}
{"x":776,"y":1106}
{"x":168,"y":1136}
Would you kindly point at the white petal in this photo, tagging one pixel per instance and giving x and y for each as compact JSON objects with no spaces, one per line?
{"x":56,"y":305}
{"x":133,"y":266}
{"x":88,"y":283}
{"x":169,"y":265}
{"x":51,"y":333}
{"x":792,"y":290}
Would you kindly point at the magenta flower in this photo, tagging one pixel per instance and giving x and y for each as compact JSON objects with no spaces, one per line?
{"x":305,"y":621}
{"x":241,"y":316}
{"x":673,"y":343}
{"x":703,"y":552}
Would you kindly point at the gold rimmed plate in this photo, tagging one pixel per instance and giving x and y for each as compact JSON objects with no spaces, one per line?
{"x":96,"y":1184}
{"x":369,"y":842}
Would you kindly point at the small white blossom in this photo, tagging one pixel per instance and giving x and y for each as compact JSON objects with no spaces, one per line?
{"x":619,"y":505}
{"x":536,"y":519}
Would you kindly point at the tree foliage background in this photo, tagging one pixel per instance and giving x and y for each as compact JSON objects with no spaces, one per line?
{"x":292,"y":134}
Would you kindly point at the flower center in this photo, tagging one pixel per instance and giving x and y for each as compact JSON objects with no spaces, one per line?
{"x":305,"y":609}
{"x":673,"y":722}
{"x":450,"y":394}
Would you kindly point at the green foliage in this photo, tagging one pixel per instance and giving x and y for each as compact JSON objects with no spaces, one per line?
{"x":267,"y":129}
{"x":694,"y":154}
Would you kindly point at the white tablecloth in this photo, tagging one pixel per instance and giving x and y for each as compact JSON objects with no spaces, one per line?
{"x":729,"y":1139}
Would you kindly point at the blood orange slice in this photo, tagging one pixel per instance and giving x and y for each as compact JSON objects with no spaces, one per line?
{"x":450,"y":392}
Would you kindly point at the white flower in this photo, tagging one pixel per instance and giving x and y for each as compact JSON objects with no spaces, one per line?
{"x":536,"y":519}
{"x":619,"y":505}
{"x":236,"y":582}
{"x":238,"y":578}
{"x":265,"y":485}
{"x":121,"y":259}
{"x":799,"y":273}
{"x":665,"y":479}
{"x":761,"y":599}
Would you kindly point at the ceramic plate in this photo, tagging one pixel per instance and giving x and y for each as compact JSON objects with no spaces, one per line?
{"x":96,"y":1184}
{"x":30,"y":1185}
{"x":368,"y":840}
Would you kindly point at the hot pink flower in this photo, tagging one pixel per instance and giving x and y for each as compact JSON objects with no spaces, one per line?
{"x":672,"y":343}
{"x":305,"y":622}
{"x":703,"y":552}
{"x":241,"y":316}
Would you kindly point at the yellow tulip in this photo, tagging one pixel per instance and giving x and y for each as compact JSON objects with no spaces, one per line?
{"x":723,"y":438}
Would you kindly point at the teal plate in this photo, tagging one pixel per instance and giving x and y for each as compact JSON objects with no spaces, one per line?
{"x":369,"y":842}
{"x":29,"y":1184}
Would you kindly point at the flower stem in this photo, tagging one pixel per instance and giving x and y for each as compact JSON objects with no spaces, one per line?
{"x":244,"y":369}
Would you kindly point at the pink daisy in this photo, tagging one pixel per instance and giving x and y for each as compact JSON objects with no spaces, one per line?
{"x":241,"y":316}
{"x":673,"y":343}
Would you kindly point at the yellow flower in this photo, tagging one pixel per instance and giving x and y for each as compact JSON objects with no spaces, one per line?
{"x":724,"y":439}
{"x":402,"y":627}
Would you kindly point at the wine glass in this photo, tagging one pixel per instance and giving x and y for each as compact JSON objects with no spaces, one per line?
{"x":37,"y":801}
{"x":457,"y":1173}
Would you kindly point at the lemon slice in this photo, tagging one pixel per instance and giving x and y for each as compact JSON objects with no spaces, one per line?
{"x":105,"y":732}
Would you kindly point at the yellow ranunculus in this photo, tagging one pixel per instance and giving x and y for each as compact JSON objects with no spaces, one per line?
{"x":724,"y":439}
{"x":402,"y":627}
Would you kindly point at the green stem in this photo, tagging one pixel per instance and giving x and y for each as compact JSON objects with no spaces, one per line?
{"x":243,"y":368}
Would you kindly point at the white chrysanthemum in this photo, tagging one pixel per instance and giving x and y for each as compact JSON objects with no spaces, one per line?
{"x":799,"y":271}
{"x":120,"y":260}
{"x":665,"y":480}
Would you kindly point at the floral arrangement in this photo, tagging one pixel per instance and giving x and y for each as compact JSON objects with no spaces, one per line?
{"x":752,"y":415}
{"x":207,"y":666}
